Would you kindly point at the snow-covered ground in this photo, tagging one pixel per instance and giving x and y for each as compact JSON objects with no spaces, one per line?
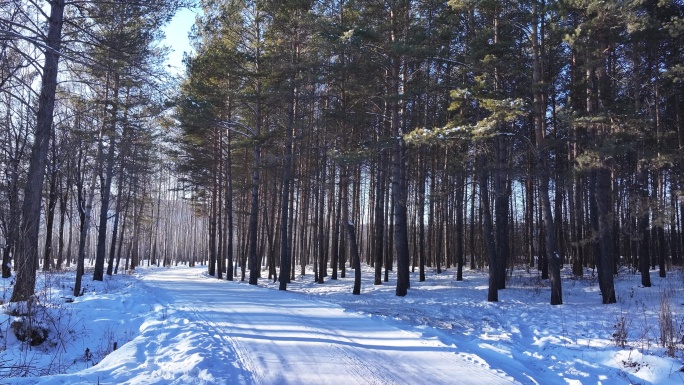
{"x":180,"y":326}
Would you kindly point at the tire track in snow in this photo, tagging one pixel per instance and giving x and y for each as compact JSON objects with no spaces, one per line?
{"x":184,"y":315}
{"x":360,"y":376}
{"x":364,"y":373}
{"x":281,"y":339}
{"x":237,"y":350}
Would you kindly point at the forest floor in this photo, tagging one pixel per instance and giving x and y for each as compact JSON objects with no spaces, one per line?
{"x":180,"y":326}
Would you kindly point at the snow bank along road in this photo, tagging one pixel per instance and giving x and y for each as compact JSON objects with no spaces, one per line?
{"x":208,"y":331}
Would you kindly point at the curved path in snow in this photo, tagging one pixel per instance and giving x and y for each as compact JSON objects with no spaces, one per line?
{"x":275,"y":337}
{"x":206,"y":331}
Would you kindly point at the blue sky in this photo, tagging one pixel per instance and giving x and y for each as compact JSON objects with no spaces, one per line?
{"x":177,"y":37}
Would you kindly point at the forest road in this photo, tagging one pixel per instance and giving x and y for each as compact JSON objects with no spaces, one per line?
{"x":255,"y":335}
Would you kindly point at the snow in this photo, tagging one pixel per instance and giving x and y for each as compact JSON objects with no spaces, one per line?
{"x":180,"y":326}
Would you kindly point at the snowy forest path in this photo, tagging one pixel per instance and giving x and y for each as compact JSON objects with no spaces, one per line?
{"x":261,"y":336}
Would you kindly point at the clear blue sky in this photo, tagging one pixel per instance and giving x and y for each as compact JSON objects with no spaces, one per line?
{"x":177,"y":38}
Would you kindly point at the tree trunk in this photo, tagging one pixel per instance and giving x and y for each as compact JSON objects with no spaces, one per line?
{"x":350,"y":230}
{"x":379,"y":230}
{"x":549,"y":231}
{"x":115,"y":231}
{"x":400,"y":223}
{"x":489,"y":238}
{"x":320,"y":234}
{"x":254,"y":267}
{"x":229,"y":208}
{"x":63,"y":199}
{"x":50,"y":220}
{"x":334,"y":260}
{"x":85,"y":211}
{"x":27,"y":250}
{"x":458,"y":228}
{"x":544,"y":153}
{"x":421,"y":209}
{"x":285,"y":256}
{"x":643,"y":228}
{"x":472,"y":225}
{"x":502,"y":192}
{"x":605,"y":226}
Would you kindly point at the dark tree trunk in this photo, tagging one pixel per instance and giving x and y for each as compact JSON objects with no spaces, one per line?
{"x":254,"y":219}
{"x":214,"y":207}
{"x":552,"y":254}
{"x":644,"y":250}
{"x":389,"y":245}
{"x":594,"y":223}
{"x":85,"y":212}
{"x":320,"y":235}
{"x":356,"y":260}
{"x":472,"y":226}
{"x":379,"y":220}
{"x":605,"y":226}
{"x":219,"y":207}
{"x":334,"y":260}
{"x":674,"y":244}
{"x":115,"y":233}
{"x":50,"y":220}
{"x":502,"y":191}
{"x":544,"y":154}
{"x":529,"y":215}
{"x":350,"y":230}
{"x":662,"y":251}
{"x":27,"y":250}
{"x":575,"y":228}
{"x":421,"y":211}
{"x":458,"y":228}
{"x":489,"y":238}
{"x":124,"y":221}
{"x":63,"y":199}
{"x":14,"y":217}
{"x":229,"y":208}
{"x":104,"y":208}
{"x":106,"y":184}
{"x":400,"y":220}
{"x":285,"y":256}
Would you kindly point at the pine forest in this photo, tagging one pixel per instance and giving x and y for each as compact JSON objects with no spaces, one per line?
{"x":409,"y":136}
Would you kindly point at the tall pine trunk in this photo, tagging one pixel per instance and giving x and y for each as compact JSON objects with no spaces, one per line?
{"x":489,"y":238}
{"x":27,"y":247}
{"x":285,"y":256}
{"x":379,"y":224}
{"x":106,"y":186}
{"x":604,"y":208}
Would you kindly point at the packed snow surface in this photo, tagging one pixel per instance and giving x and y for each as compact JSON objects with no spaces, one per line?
{"x":180,"y":326}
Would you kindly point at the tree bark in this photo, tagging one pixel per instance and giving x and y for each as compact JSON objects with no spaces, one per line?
{"x":605,"y":233}
{"x":254,"y":207}
{"x":458,"y":228}
{"x":421,"y":210}
{"x":643,"y":228}
{"x":50,"y":220}
{"x":379,"y":230}
{"x":106,"y":185}
{"x":489,"y":238}
{"x":285,"y":256}
{"x":229,"y":208}
{"x":350,"y":230}
{"x":85,"y":212}
{"x":502,"y":191}
{"x":320,"y":235}
{"x":27,"y":251}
